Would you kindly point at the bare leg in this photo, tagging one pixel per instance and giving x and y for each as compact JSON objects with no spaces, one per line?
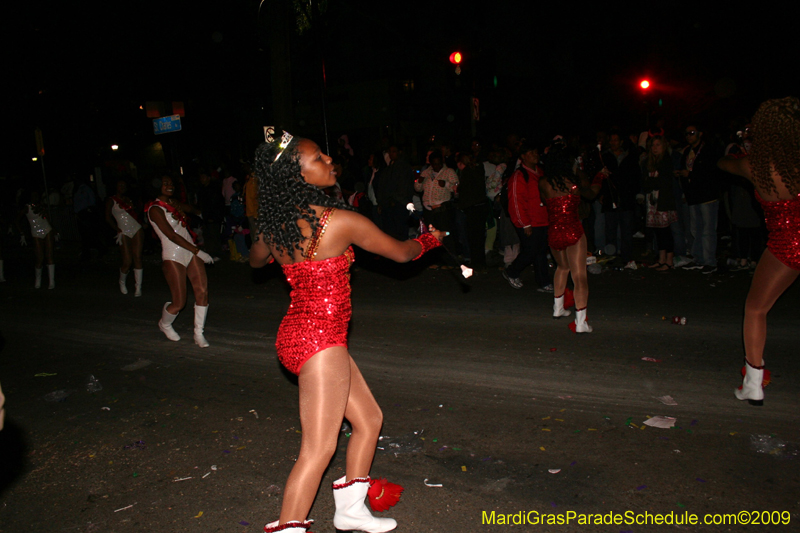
{"x":39,"y":249}
{"x":366,"y":417}
{"x":576,"y":257}
{"x":126,"y":247}
{"x":324,"y":389}
{"x":48,"y":248}
{"x":176,"y":279}
{"x":562,"y":272}
{"x":197,"y":276}
{"x":137,"y":243}
{"x":770,"y":280}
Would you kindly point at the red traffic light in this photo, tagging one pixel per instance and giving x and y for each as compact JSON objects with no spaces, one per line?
{"x":455,"y":58}
{"x":644,"y":84}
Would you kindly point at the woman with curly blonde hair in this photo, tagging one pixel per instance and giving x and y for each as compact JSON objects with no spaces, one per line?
{"x":774,"y":169}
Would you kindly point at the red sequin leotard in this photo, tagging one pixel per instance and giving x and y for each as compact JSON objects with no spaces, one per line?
{"x":783,"y":222}
{"x":320,"y":310}
{"x":564,"y":225}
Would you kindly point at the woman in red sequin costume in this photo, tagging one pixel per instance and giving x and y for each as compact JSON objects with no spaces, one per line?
{"x":565,"y":234}
{"x":773,"y":167}
{"x":310,"y":236}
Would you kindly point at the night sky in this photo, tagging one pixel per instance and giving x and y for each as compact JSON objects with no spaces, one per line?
{"x":80,"y":71}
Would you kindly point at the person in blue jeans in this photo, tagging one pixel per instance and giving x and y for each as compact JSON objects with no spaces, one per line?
{"x":700,"y":181}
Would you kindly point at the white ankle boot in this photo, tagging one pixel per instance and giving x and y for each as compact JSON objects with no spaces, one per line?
{"x":581,"y":326}
{"x":751,"y":389}
{"x":51,"y":273}
{"x":165,"y":324}
{"x":288,"y":527}
{"x":200,"y":313}
{"x":123,"y":278}
{"x":558,"y":307}
{"x":137,"y":275}
{"x":351,"y":509}
{"x":37,"y":284}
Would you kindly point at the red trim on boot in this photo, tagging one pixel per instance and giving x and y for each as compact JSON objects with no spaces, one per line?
{"x":351,"y":482}
{"x":287,"y":525}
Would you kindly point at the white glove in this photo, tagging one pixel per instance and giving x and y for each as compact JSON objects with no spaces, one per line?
{"x":23,"y":241}
{"x":118,"y":239}
{"x":207,"y":259}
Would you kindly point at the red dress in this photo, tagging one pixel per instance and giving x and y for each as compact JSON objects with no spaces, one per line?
{"x":320,"y":311}
{"x":783,"y":222}
{"x":565,"y":227}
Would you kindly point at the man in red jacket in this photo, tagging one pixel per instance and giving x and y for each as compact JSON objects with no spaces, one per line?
{"x":529,"y":216}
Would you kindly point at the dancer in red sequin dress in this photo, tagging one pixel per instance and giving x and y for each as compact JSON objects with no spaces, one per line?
{"x":774,"y":169}
{"x":565,"y":234}
{"x":310,"y":236}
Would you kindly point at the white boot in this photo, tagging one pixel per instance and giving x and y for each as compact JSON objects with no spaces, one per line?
{"x":580,"y":322}
{"x":2,"y":278}
{"x":200,"y":313}
{"x":558,"y":307}
{"x":351,"y":510}
{"x":123,"y":278}
{"x":288,"y":527}
{"x":51,"y":273}
{"x":751,"y":388}
{"x":38,"y":283}
{"x":165,"y":324}
{"x":137,"y":275}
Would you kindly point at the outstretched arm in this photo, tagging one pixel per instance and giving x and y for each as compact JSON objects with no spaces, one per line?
{"x":359,"y":230}
{"x":260,"y":254}
{"x":736,"y":165}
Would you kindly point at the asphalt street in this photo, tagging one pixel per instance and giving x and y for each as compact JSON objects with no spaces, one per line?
{"x":483,"y":393}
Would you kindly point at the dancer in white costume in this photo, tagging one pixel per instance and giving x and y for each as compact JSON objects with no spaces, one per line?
{"x":42,"y":234}
{"x":123,"y":219}
{"x":181,"y":259}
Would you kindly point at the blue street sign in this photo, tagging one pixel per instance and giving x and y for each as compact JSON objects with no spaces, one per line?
{"x":167,"y":124}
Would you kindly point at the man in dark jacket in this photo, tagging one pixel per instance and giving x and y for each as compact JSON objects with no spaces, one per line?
{"x":700,"y":181}
{"x":394,"y":187}
{"x":619,"y":196}
{"x":472,"y":205}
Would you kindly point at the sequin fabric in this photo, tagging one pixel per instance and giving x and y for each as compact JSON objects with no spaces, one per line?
{"x":783,"y":223}
{"x":428,"y":243}
{"x":564,"y":225}
{"x":320,"y":311}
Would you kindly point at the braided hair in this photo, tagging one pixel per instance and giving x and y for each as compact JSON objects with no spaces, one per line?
{"x":558,"y":167}
{"x":284,"y":197}
{"x":776,"y":144}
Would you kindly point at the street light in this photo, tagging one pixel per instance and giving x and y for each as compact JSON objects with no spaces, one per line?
{"x":115,"y":147}
{"x":644,"y":84}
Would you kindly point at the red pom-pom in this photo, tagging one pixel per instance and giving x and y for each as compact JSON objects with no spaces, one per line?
{"x":572,"y":326}
{"x":383,"y":494}
{"x":767,"y":376}
{"x":569,"y":298}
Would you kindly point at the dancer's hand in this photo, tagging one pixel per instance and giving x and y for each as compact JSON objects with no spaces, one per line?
{"x":23,"y":241}
{"x":118,"y":239}
{"x":205,"y":258}
{"x":440,"y":235}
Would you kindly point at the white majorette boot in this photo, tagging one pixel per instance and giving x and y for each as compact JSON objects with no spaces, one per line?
{"x":123,"y":278}
{"x":580,"y":325}
{"x":200,"y":313}
{"x":351,"y":509}
{"x":289,"y":527}
{"x":2,"y":277}
{"x":751,"y":389}
{"x":558,"y":307}
{"x":137,"y":275}
{"x":51,"y":273}
{"x":37,"y":284}
{"x":165,"y":324}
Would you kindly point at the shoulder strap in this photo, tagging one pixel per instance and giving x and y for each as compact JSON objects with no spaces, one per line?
{"x":322,"y":225}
